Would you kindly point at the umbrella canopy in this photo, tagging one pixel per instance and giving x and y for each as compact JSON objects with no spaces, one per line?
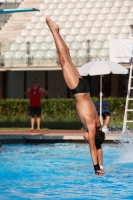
{"x":101,"y":68}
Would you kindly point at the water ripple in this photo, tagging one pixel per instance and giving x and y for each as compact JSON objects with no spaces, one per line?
{"x":64,"y":171}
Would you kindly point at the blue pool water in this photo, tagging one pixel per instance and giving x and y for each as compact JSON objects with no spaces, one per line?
{"x":64,"y":171}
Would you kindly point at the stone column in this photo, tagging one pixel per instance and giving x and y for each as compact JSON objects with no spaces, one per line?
{"x":115,"y":85}
{"x":1,"y":84}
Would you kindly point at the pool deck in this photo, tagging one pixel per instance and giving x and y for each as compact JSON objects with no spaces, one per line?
{"x":49,"y":136}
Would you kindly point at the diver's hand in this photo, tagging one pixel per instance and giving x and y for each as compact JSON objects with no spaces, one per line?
{"x":100,"y":172}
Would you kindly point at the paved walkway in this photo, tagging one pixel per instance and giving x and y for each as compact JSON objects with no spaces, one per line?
{"x":45,"y":136}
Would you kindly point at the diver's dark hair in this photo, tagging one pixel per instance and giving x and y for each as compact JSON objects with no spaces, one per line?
{"x":100,"y":137}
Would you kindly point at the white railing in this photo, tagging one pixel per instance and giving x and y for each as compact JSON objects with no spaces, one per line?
{"x":28,"y":55}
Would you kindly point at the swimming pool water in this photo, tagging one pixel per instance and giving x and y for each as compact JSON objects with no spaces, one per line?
{"x":64,"y":171}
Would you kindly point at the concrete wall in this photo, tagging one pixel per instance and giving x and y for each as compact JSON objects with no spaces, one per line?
{"x":56,"y":85}
{"x":95,"y":81}
{"x":115,"y":85}
{"x":1,"y":84}
{"x":31,"y":75}
{"x":14,"y":84}
{"x":17,"y":82}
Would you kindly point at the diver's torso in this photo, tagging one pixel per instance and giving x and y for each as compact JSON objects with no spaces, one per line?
{"x":85,"y":109}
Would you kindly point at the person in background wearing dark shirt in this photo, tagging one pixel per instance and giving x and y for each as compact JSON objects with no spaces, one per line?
{"x":35,"y":93}
{"x":105,"y":113}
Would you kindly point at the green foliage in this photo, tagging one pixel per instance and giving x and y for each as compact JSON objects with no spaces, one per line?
{"x":52,"y":108}
{"x":116,"y":106}
{"x":56,"y":113}
{"x":59,"y":109}
{"x":13,"y":107}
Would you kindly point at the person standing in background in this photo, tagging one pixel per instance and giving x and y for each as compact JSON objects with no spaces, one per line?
{"x":35,"y":93}
{"x":106,"y":116}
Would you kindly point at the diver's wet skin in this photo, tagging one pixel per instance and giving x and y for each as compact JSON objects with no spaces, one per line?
{"x":85,"y":139}
{"x":84,"y":105}
{"x":51,"y":24}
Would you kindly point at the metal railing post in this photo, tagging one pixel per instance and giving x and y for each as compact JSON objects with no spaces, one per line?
{"x":29,"y":59}
{"x":28,"y":53}
{"x":87,"y":50}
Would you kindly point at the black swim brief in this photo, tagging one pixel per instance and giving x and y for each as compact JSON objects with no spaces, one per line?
{"x":105,"y":114}
{"x":82,"y":87}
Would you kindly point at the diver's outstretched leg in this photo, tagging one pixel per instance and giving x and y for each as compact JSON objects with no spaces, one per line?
{"x":70,"y":73}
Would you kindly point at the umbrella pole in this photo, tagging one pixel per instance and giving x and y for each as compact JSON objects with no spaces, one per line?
{"x":101,"y":100}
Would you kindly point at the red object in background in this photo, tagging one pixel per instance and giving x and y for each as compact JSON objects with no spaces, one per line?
{"x":35,"y":98}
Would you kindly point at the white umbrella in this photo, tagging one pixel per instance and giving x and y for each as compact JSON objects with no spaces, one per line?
{"x":101,"y":68}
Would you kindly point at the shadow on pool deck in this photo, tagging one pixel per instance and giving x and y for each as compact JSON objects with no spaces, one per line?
{"x":49,"y":136}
